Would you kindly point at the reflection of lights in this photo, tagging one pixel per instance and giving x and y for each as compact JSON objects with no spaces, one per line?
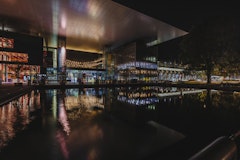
{"x":138,"y":101}
{"x":77,"y":105}
{"x":63,"y":118}
{"x":54,"y":104}
{"x":178,"y":93}
{"x":90,"y":30}
{"x":137,"y":94}
{"x":84,"y":101}
{"x":63,"y":21}
{"x":61,"y":139}
{"x":93,"y":9}
{"x":79,"y":6}
{"x":15,"y":113}
{"x":75,"y":114}
{"x":151,"y":107}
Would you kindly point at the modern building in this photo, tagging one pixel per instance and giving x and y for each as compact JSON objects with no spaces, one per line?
{"x":21,"y":57}
{"x":83,"y":28}
{"x":134,"y":61}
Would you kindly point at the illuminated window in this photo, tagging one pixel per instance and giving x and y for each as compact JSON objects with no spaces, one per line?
{"x":6,"y":42}
{"x":13,"y":57}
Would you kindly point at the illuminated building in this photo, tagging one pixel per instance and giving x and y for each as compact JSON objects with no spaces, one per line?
{"x":134,"y":61}
{"x":88,"y":67}
{"x":86,"y":26}
{"x":20,"y":57}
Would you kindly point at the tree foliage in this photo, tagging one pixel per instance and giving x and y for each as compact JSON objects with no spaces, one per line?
{"x":214,"y":41}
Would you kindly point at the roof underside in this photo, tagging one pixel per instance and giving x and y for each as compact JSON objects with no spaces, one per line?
{"x":183,"y":14}
{"x":88,"y":25}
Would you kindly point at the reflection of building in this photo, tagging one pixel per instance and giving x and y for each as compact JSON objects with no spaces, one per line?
{"x":88,"y":99}
{"x":20,"y":56}
{"x":143,"y":96}
{"x":17,"y":113}
{"x":170,"y":92}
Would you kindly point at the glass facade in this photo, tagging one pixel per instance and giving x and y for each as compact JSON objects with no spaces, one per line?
{"x":85,"y":76}
{"x":12,"y":73}
{"x":80,"y":66}
{"x":130,"y":64}
{"x":20,"y":57}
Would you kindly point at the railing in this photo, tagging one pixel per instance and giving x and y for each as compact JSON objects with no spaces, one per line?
{"x":223,"y":148}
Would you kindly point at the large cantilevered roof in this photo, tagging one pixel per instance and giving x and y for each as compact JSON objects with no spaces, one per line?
{"x":88,"y":25}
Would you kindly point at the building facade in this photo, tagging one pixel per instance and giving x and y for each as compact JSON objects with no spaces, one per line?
{"x":21,"y":57}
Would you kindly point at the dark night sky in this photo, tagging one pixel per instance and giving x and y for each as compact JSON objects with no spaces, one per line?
{"x":183,"y":14}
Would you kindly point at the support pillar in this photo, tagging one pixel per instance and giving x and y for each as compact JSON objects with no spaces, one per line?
{"x":61,"y":61}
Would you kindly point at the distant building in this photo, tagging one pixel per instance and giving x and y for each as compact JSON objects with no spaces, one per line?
{"x":134,"y":61}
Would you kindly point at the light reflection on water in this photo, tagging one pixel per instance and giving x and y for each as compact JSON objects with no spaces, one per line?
{"x":100,"y":124}
{"x":15,"y":116}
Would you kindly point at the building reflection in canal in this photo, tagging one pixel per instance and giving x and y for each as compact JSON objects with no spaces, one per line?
{"x":16,"y":115}
{"x":115,"y":123}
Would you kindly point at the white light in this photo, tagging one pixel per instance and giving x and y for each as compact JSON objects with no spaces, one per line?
{"x":63,"y":21}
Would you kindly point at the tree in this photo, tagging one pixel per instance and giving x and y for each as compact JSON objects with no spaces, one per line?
{"x":229,"y":65}
{"x":211,"y":42}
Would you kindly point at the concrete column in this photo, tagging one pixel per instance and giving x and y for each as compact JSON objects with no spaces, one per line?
{"x":61,"y":60}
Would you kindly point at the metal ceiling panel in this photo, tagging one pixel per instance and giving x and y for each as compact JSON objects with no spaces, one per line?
{"x":88,"y":25}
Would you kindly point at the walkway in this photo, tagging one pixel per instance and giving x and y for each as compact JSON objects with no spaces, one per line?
{"x":9,"y":92}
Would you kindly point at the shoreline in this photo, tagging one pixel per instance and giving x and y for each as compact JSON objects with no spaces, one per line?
{"x":10,"y":92}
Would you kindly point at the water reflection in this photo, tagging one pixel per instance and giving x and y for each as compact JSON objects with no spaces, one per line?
{"x":116,"y":123}
{"x":87,"y":98}
{"x":62,"y":117}
{"x":60,"y":136}
{"x":16,"y":115}
{"x":149,"y":96}
{"x":229,"y":100}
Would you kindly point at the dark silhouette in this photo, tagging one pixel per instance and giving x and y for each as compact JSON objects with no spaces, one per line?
{"x":212,"y":42}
